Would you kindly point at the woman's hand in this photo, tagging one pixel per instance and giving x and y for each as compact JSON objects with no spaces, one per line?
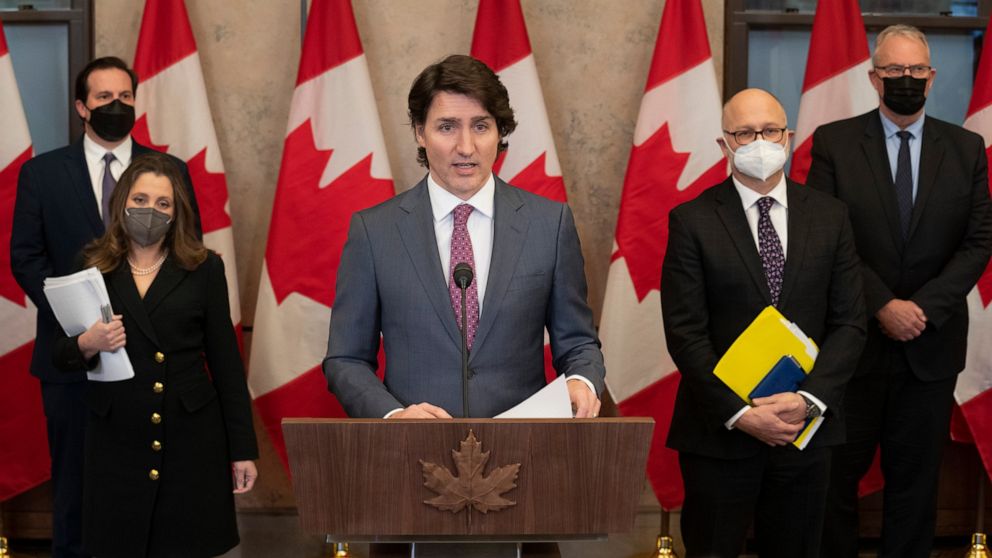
{"x":243,"y":474}
{"x":102,"y":337}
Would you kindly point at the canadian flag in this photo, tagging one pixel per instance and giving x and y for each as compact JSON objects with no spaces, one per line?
{"x":531,"y":162}
{"x":836,"y":84}
{"x":974,"y":388}
{"x":173,"y":115}
{"x":24,"y":460}
{"x":675,"y":157}
{"x":333,"y":164}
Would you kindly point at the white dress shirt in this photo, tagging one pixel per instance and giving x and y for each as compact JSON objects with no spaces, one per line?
{"x":94,"y":153}
{"x":779,"y":215}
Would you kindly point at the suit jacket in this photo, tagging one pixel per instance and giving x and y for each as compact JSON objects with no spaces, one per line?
{"x":713,"y":285}
{"x":55,"y":215}
{"x":950,"y":234}
{"x":180,"y":327}
{"x":390,"y":282}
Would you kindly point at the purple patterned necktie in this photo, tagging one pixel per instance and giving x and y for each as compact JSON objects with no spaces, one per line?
{"x":108,"y":187}
{"x":461,"y":252}
{"x":770,"y":248}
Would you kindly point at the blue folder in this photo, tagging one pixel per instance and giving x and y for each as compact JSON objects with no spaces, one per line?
{"x":785,"y":376}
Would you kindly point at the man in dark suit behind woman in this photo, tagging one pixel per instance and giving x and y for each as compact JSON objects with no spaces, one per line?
{"x":61,"y":205}
{"x":755,"y":240}
{"x":918,"y":198}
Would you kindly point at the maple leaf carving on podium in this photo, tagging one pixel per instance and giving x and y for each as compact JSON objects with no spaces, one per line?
{"x":9,"y":288}
{"x":309,"y":222}
{"x":649,"y":192}
{"x":470,"y":489}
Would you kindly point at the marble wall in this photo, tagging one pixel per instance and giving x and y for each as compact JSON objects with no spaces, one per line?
{"x":592,"y":57}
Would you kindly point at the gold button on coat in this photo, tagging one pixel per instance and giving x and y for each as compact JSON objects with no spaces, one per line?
{"x":156,"y":418}
{"x":156,"y":445}
{"x":153,"y":474}
{"x":157,"y":387}
{"x":159,"y":358}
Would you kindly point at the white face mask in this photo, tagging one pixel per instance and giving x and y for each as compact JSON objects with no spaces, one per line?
{"x":759,"y":159}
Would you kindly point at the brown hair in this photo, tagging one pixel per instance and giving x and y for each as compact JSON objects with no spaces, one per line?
{"x":463,"y":75}
{"x":110,"y":250}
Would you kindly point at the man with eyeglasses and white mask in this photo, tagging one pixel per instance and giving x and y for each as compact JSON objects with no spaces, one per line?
{"x":757,"y":240}
{"x":917,"y":191}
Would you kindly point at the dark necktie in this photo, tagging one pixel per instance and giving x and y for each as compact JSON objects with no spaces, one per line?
{"x":904,"y":182}
{"x":461,"y":252}
{"x":108,"y":187}
{"x":770,"y":249}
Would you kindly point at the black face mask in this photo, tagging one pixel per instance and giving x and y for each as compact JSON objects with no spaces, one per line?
{"x":905,"y":94}
{"x":113,"y":121}
{"x":146,"y":225}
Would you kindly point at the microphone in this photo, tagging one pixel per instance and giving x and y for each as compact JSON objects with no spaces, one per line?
{"x":462,"y":276}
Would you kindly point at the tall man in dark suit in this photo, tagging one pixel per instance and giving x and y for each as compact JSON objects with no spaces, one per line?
{"x":395,"y":277}
{"x":62,"y":200}
{"x":918,"y":196}
{"x":755,"y":240}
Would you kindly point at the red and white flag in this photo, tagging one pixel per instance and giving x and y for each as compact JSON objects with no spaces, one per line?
{"x":836,"y":85}
{"x":974,"y":388}
{"x":333,"y":164}
{"x":24,"y":460}
{"x":173,"y":115}
{"x":531,"y":162}
{"x":675,"y":157}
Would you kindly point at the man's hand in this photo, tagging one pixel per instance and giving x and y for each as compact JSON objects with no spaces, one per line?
{"x":901,"y":320}
{"x":764,"y":424}
{"x":421,"y":411}
{"x":243,"y":475}
{"x":585,"y":404}
{"x":789,"y":407}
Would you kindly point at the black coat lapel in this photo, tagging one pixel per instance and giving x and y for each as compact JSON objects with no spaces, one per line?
{"x":873,"y":145}
{"x":509,"y":231}
{"x":120,"y":283}
{"x":798,"y":225}
{"x":82,"y":186}
{"x":167,"y":279}
{"x":731,"y":212}
{"x":931,"y":155}
{"x":416,"y":231}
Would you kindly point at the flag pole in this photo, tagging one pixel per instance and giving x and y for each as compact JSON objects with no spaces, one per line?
{"x":664,"y":545}
{"x":979,"y":544}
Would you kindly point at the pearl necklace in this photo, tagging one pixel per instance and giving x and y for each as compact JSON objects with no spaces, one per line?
{"x":135,"y":270}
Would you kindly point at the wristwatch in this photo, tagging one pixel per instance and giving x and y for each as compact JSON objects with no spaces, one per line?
{"x":812,"y":409}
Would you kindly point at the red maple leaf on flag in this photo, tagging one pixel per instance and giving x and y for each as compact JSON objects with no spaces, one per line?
{"x":534,"y":179}
{"x":9,"y":288}
{"x":649,"y":193}
{"x":211,"y":193}
{"x":309,"y":223}
{"x":142,"y":135}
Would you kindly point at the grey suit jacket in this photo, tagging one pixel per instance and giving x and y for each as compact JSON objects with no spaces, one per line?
{"x":390,"y":283}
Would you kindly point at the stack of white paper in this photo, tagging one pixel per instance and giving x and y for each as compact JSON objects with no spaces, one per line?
{"x":551,"y":401}
{"x":76,"y":301}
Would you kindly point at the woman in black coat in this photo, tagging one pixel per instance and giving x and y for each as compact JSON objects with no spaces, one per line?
{"x":163,"y":448}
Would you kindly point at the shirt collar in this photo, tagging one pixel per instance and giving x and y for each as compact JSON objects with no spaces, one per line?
{"x":749,"y":197}
{"x":890,"y":127}
{"x":444,"y":202}
{"x":95,"y":152}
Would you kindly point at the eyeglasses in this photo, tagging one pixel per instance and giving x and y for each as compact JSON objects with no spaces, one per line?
{"x":744,"y":137}
{"x":918,"y":71}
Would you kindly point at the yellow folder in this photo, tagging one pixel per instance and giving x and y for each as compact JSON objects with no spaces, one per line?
{"x":758,"y":348}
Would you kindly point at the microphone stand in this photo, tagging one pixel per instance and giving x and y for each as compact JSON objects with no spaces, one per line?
{"x":463,"y":285}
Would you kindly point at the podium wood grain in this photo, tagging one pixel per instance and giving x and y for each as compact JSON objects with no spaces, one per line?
{"x":362,"y":479}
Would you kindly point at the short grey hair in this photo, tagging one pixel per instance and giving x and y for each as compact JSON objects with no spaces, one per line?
{"x":899,"y":30}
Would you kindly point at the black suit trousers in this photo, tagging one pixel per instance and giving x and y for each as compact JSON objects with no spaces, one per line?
{"x":781,"y":490}
{"x":65,"y":417}
{"x":909,"y":420}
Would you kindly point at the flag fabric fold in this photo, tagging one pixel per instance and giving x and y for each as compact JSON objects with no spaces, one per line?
{"x":24,"y":458}
{"x":333,"y":164}
{"x":531,"y":162}
{"x":674,"y":157}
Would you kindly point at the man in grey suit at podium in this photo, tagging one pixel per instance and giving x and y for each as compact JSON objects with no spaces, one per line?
{"x":395,"y":277}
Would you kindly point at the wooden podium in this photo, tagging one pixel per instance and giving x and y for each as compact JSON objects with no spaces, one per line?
{"x":366,"y":480}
